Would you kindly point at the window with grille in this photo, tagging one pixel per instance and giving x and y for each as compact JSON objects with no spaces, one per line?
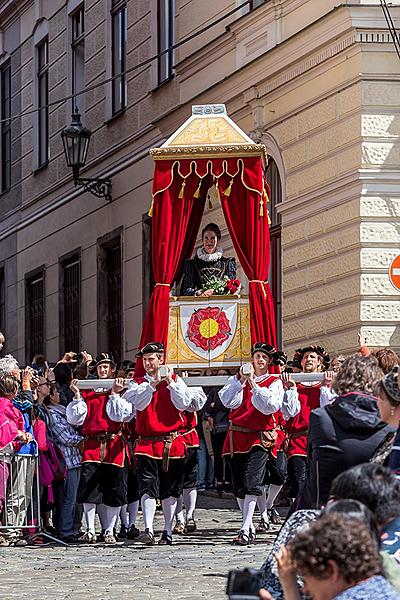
{"x":114,"y":286}
{"x":118,"y":51}
{"x":255,"y":3}
{"x":35,"y":315}
{"x":5,"y":90}
{"x":78,"y":59}
{"x":275,"y":232}
{"x":71,"y":304}
{"x":165,"y":27}
{"x":42,"y":51}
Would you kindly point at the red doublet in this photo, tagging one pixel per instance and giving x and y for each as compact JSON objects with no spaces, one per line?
{"x":248,"y":417}
{"x":280,"y":421}
{"x":159,"y":419}
{"x":97,"y":427}
{"x":298,"y":425}
{"x":189,"y":432}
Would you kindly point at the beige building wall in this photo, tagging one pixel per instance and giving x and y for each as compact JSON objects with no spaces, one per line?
{"x":317,"y":82}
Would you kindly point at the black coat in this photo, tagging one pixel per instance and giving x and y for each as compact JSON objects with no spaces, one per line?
{"x":341,"y":435}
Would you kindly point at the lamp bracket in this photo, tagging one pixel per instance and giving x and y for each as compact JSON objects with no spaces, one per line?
{"x":101,"y":188}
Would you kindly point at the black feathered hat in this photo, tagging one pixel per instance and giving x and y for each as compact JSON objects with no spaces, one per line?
{"x":150,"y":348}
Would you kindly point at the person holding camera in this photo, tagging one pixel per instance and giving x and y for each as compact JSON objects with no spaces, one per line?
{"x":159,"y":399}
{"x":255,"y":399}
{"x":103,"y":480}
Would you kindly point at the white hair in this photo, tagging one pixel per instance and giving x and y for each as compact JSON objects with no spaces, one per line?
{"x":8,"y":364}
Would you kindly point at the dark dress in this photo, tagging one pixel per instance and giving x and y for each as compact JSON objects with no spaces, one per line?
{"x":196,"y":272}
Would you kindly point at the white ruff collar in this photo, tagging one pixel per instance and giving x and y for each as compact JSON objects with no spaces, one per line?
{"x":202,"y":254}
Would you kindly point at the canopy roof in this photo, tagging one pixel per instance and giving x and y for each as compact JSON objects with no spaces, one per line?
{"x":208,"y":132}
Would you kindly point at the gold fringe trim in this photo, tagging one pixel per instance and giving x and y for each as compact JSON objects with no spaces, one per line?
{"x":269,"y":218}
{"x":261,"y":207}
{"x":266,"y":195}
{"x":150,"y":213}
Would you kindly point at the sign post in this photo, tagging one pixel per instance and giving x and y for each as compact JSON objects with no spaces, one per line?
{"x":394,"y":272}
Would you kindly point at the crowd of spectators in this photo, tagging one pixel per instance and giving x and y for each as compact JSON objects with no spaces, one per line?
{"x":360,"y":424}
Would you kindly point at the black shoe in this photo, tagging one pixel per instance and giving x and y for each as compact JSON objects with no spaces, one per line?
{"x":69,"y":539}
{"x":165,"y":539}
{"x":101,"y":536}
{"x":147,"y":538}
{"x":123,"y":532}
{"x":274,"y":516}
{"x":242,"y":539}
{"x":133,"y":533}
{"x":115,"y":534}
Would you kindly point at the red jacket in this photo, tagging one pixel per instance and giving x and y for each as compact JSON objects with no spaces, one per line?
{"x":157,"y":420}
{"x":297,"y":427}
{"x":97,"y":427}
{"x":249,"y":417}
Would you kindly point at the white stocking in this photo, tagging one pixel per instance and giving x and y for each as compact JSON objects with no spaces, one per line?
{"x":262,"y":505}
{"x":179,"y":510}
{"x":169,"y":508}
{"x":123,"y":515}
{"x":111,"y":513}
{"x":102,"y":512}
{"x":133,"y":508}
{"x":149,"y":506}
{"x":190,"y":499}
{"x":249,"y":506}
{"x":89,"y":510}
{"x":272,"y":494}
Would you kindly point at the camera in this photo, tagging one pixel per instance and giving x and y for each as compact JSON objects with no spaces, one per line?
{"x":244,"y":584}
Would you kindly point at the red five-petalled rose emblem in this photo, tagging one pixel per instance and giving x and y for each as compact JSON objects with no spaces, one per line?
{"x":208,"y":328}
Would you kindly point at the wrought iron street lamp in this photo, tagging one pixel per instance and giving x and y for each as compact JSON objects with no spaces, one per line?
{"x":76,"y":139}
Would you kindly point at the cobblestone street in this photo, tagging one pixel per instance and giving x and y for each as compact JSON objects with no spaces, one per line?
{"x":194,"y":567}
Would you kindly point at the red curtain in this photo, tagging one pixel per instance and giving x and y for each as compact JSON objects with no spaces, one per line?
{"x":175,"y":223}
{"x":249,"y":231}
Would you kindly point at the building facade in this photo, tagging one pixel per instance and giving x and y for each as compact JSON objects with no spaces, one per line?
{"x":318,"y":82}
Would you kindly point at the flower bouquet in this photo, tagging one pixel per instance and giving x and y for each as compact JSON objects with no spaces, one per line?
{"x":222,"y":286}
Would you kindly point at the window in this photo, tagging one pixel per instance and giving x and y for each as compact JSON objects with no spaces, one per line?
{"x":109,"y":294}
{"x":165,"y":18}
{"x":118,"y":34}
{"x":35,"y":315}
{"x":275,"y":232}
{"x":147,"y":268}
{"x":42,"y":51}
{"x":78,"y":59}
{"x":71,"y":304}
{"x":5,"y":85}
{"x":255,"y":3}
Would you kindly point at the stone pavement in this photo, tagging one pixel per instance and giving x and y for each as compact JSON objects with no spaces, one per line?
{"x":194,"y":567}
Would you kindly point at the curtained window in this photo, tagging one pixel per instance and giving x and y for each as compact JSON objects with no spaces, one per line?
{"x":78,"y":59}
{"x":165,"y":26}
{"x":118,"y":55}
{"x":5,"y":104}
{"x":35,"y":315}
{"x":70,"y":314}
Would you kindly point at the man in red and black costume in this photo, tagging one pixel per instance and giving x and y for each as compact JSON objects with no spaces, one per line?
{"x":160,"y":401}
{"x":255,"y":400}
{"x":313,"y":359}
{"x":103,"y":481}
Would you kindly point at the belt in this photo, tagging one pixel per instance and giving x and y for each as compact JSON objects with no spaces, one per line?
{"x":103,"y":438}
{"x":297,"y":434}
{"x":167,"y":439}
{"x":233,"y":428}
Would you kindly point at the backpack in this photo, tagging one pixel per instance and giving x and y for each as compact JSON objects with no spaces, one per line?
{"x":51,"y":468}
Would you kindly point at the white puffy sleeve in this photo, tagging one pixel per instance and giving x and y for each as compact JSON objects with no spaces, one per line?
{"x":291,"y":403}
{"x":268,"y":399}
{"x":76,"y":412}
{"x":180,"y":394}
{"x":119,"y":409}
{"x":231,"y":395}
{"x":197,"y":399}
{"x":139,"y":394}
{"x":326,"y":396}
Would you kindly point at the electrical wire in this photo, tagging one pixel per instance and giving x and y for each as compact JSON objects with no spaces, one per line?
{"x":391,"y":26}
{"x":127,"y":71}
